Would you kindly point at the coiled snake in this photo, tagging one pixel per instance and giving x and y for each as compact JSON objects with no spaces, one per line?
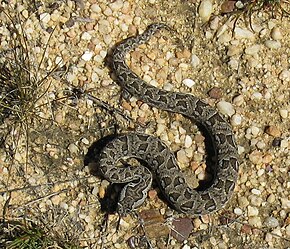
{"x":159,"y":160}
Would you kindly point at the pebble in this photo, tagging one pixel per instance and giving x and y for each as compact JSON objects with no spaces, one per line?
{"x":273,"y":44}
{"x":256,"y":191}
{"x":243,"y":202}
{"x":195,"y":61}
{"x":44,"y":17}
{"x":73,"y":149}
{"x":238,"y":211}
{"x":283,"y":113}
{"x":215,"y":93}
{"x":273,"y":131}
{"x":87,"y":55}
{"x":276,"y":33}
{"x":255,"y":221}
{"x":182,"y":228}
{"x":181,"y":156}
{"x":187,"y":141}
{"x":285,"y":75}
{"x":238,"y":100}
{"x":243,"y":33}
{"x":256,"y":157}
{"x":271,"y":222}
{"x":188,"y":82}
{"x":236,"y":119}
{"x":205,"y":10}
{"x":252,"y":211}
{"x":225,"y":108}
{"x":254,"y":49}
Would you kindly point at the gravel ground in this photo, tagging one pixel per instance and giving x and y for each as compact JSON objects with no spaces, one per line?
{"x":244,"y":73}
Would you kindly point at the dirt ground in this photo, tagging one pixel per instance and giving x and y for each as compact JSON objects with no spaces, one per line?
{"x":240,"y":66}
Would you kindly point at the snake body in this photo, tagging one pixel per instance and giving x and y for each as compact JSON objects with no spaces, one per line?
{"x":159,"y":161}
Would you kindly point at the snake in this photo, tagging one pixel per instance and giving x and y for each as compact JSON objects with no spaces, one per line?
{"x":157,"y":160}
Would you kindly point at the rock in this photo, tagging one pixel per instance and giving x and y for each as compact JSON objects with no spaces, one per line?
{"x":87,"y":55}
{"x":271,"y":222}
{"x":285,"y":75}
{"x":252,"y":211}
{"x":273,"y":44}
{"x":188,"y":82}
{"x":276,"y":33}
{"x":273,"y":131}
{"x":154,"y":224}
{"x":256,"y":157}
{"x":205,"y":9}
{"x":215,"y":93}
{"x":195,"y":61}
{"x":225,"y":108}
{"x":182,"y":227}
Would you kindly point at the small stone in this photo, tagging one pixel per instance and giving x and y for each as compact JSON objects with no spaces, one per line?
{"x":86,"y":36}
{"x":238,"y":211}
{"x":246,"y":229}
{"x":255,"y":131}
{"x":256,"y":191}
{"x":273,"y":131}
{"x":181,"y":156}
{"x":238,"y":100}
{"x":255,"y":221}
{"x":283,"y":113}
{"x":236,"y":119}
{"x":276,"y":33}
{"x":187,"y":141}
{"x":44,"y":17}
{"x":256,"y":157}
{"x":226,"y":108}
{"x":271,"y":222}
{"x":285,"y":75}
{"x":285,"y":203}
{"x":194,"y":60}
{"x":154,"y":224}
{"x":73,"y":149}
{"x":243,"y":202}
{"x":197,"y":222}
{"x":96,"y":8}
{"x":254,"y":49}
{"x":252,"y":211}
{"x":228,"y":6}
{"x":271,"y":198}
{"x":182,"y":228}
{"x":243,"y":33}
{"x":85,"y":141}
{"x":87,"y":55}
{"x":215,"y":93}
{"x":273,"y":44}
{"x":205,"y":9}
{"x":188,"y":82}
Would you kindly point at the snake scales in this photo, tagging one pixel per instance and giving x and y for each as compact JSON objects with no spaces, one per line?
{"x":159,"y":160}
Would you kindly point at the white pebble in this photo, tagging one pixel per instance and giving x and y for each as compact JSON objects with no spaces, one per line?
{"x":96,"y":8}
{"x":256,"y":191}
{"x":236,"y":119}
{"x":187,"y":141}
{"x":285,"y":75}
{"x":273,"y":44}
{"x":243,"y":33}
{"x":226,"y":108}
{"x":194,"y":60}
{"x":185,"y":247}
{"x":253,"y":49}
{"x":188,"y":82}
{"x":87,"y":55}
{"x":205,"y":9}
{"x":85,"y":141}
{"x":255,"y":130}
{"x":73,"y":148}
{"x":86,"y":36}
{"x":276,"y":33}
{"x":257,"y":95}
{"x":239,"y":100}
{"x":283,"y":113}
{"x":181,"y":156}
{"x":44,"y":17}
{"x":252,"y":211}
{"x":271,"y":222}
{"x":238,"y":211}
